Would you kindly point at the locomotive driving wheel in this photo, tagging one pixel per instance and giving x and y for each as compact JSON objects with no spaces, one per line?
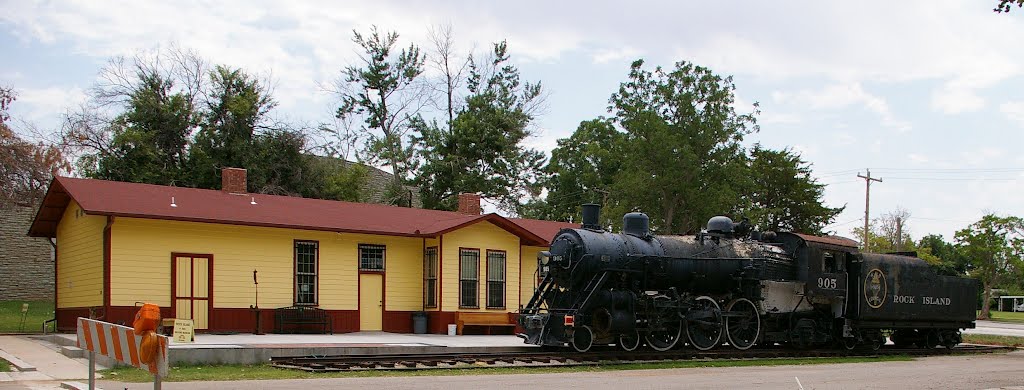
{"x":629,"y":341}
{"x":704,"y":323}
{"x":743,"y":324}
{"x":664,"y":340}
{"x":582,"y":338}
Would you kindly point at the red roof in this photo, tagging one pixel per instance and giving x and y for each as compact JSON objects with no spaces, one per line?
{"x":102,"y":197}
{"x":545,"y":229}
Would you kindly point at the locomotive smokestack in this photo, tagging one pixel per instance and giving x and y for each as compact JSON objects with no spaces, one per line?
{"x":592,"y":216}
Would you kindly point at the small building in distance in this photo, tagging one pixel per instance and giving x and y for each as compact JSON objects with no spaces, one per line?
{"x":199,"y":253}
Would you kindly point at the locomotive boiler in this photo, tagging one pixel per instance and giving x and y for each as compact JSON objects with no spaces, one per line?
{"x":731,"y":285}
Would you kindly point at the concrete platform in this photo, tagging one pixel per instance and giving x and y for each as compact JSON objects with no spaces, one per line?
{"x":254,"y":349}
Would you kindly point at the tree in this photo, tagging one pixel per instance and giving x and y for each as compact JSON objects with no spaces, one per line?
{"x":148,"y":140}
{"x":26,"y":168}
{"x":950,"y":261}
{"x":994,"y":247}
{"x":386,"y":94}
{"x":581,"y":170}
{"x":683,"y":138}
{"x":236,"y":132}
{"x":1006,"y":5}
{"x":783,"y":195}
{"x":483,"y":151}
{"x":451,"y":69}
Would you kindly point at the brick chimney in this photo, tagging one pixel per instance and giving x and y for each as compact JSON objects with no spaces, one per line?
{"x":232,"y":180}
{"x":470,"y":204}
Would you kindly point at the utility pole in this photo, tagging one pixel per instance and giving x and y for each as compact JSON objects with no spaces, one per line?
{"x":899,"y":233}
{"x":867,"y":202}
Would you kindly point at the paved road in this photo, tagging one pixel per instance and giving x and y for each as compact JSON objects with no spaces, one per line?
{"x":946,"y":372}
{"x":997,"y":328}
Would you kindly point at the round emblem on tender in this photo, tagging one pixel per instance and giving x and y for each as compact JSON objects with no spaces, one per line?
{"x":875,"y":288}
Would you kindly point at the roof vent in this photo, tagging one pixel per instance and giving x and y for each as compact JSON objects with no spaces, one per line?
{"x":636,"y":224}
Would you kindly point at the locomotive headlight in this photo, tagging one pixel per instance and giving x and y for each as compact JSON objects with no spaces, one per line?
{"x":543,"y":257}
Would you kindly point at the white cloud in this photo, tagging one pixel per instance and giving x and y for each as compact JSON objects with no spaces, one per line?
{"x":606,"y":55}
{"x":44,"y":105}
{"x":918,"y":158}
{"x":1014,"y":111}
{"x":839,"y":96}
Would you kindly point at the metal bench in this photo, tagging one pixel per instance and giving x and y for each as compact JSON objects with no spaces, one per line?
{"x":487,"y":323}
{"x":301,"y":318}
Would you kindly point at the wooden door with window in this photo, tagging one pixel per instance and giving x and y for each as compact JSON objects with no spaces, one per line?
{"x":191,"y":288}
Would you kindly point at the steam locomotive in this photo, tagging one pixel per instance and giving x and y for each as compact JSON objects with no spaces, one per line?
{"x":732,"y":285}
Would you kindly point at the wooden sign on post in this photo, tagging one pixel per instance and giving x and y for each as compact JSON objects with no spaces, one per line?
{"x":184,"y":331}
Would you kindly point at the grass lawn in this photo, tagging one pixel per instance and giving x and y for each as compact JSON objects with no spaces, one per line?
{"x":1006,"y":316}
{"x":10,"y":316}
{"x":4,"y":366}
{"x":1011,"y":341}
{"x":264,"y":372}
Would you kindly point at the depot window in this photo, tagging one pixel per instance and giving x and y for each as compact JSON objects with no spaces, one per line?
{"x":469,"y":277}
{"x":495,"y":279}
{"x":371,"y":257}
{"x":430,"y":277}
{"x":307,"y":254}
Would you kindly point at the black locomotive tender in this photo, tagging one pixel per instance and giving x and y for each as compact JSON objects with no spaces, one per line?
{"x":731,"y":285}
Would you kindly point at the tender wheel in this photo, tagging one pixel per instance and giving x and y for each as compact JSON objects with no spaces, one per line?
{"x":664,"y":340}
{"x":629,"y":341}
{"x":849,"y":343}
{"x":932,"y":340}
{"x":704,"y":323}
{"x":743,"y":324}
{"x":582,"y":338}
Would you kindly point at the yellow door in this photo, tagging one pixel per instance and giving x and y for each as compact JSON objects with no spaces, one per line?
{"x":371,"y":301}
{"x":192,"y":290}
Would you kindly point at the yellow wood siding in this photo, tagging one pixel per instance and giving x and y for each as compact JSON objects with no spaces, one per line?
{"x":482,"y":236}
{"x":141,"y":259}
{"x":529,"y":275}
{"x":79,"y":258}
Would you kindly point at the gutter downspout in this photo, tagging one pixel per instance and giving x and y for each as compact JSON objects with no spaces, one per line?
{"x":106,"y":266}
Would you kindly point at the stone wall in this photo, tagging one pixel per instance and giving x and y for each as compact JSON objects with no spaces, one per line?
{"x":26,"y":263}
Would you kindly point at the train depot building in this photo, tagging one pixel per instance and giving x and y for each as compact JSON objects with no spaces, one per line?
{"x":214,"y":255}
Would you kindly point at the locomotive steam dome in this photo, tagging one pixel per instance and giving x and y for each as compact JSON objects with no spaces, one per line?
{"x":720,"y":224}
{"x":636,"y":224}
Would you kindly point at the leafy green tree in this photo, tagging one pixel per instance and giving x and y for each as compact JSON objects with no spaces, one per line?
{"x":386,"y":92}
{"x":994,"y":247}
{"x":483,"y":151}
{"x":236,"y":132}
{"x":148,"y":141}
{"x":582,"y":169}
{"x":683,"y":138}
{"x":783,"y":195}
{"x":950,"y":261}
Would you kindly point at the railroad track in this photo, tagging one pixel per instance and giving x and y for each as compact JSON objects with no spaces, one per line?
{"x":598,"y":357}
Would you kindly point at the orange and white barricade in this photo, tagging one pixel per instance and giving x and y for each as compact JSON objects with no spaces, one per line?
{"x":120,"y":343}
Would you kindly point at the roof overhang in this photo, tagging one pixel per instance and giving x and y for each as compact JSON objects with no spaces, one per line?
{"x":50,"y":211}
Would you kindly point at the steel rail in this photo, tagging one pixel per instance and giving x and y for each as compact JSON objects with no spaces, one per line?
{"x":597,"y":357}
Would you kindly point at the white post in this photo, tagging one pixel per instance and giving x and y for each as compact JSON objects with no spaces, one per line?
{"x":92,"y":370}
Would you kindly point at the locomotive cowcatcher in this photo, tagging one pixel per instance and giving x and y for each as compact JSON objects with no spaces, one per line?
{"x":731,"y":285}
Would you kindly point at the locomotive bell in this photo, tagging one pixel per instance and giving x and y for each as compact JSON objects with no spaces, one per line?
{"x":720,"y":224}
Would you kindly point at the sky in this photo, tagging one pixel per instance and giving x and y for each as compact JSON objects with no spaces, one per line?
{"x":928,"y":95}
